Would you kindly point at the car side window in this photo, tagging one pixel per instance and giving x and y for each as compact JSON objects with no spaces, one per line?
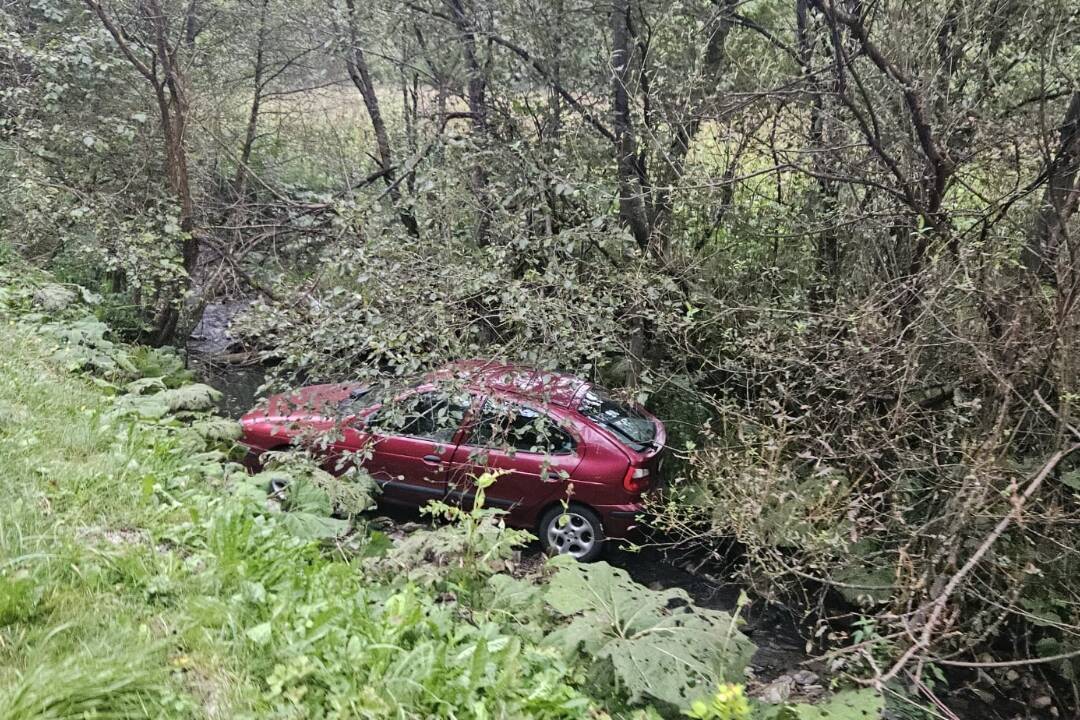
{"x":507,"y":426}
{"x":430,"y":415}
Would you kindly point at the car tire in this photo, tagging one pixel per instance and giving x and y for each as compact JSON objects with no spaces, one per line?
{"x":581,"y":535}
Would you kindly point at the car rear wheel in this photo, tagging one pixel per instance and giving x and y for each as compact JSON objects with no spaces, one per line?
{"x":575,"y":531}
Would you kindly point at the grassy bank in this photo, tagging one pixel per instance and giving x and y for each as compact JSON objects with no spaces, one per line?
{"x":95,"y":599}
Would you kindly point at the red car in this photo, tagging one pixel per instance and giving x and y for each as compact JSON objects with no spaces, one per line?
{"x":555,"y":438}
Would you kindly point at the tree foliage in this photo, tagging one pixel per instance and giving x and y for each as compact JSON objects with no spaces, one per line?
{"x":832,"y":243}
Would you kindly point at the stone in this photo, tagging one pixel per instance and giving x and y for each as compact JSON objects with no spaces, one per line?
{"x":778,"y":691}
{"x":805,"y":677}
{"x":53,"y":297}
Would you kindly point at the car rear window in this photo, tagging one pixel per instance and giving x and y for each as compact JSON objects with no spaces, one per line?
{"x":632,"y":427}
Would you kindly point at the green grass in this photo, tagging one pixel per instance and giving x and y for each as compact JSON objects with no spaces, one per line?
{"x":79,"y":631}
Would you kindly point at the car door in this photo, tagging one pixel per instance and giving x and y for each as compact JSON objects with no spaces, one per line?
{"x":407,"y":445}
{"x":533,"y":453}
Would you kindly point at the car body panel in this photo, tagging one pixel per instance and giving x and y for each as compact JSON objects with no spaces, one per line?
{"x":410,"y":470}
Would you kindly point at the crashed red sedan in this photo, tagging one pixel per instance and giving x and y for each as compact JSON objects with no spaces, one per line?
{"x":556,"y":441}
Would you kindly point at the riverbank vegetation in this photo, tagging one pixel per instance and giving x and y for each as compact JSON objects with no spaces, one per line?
{"x":145,"y":575}
{"x":832,"y":244}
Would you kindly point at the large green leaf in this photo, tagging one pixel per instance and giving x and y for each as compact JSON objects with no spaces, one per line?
{"x":148,"y":407}
{"x":658,"y":643}
{"x":195,"y":396}
{"x":310,"y":526}
{"x":304,"y":495}
{"x":865,"y":704}
{"x":142,"y":385}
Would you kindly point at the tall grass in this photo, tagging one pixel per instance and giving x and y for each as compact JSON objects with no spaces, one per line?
{"x":110,"y":684}
{"x":80,"y":634}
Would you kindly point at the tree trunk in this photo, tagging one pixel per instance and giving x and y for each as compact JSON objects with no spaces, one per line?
{"x":360,"y":74}
{"x":241,"y":176}
{"x":174,"y":106}
{"x":477,"y":99}
{"x":632,"y":207}
{"x":1050,"y":233}
{"x":827,"y":251}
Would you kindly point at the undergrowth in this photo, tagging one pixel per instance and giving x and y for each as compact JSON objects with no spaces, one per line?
{"x":144,"y":573}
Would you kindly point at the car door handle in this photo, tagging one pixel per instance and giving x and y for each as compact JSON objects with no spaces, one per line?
{"x":432,"y":459}
{"x":552,"y":476}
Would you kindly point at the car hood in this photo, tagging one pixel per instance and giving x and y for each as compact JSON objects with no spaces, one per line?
{"x":306,"y":402}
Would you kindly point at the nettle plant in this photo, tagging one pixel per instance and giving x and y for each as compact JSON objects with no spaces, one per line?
{"x":486,"y":541}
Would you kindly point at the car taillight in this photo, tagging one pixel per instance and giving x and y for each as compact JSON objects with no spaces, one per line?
{"x":636,"y":479}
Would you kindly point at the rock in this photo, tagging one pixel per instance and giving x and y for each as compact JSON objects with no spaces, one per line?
{"x":805,"y":677}
{"x":53,"y":297}
{"x":1043,"y":701}
{"x":1012,"y":676}
{"x":778,"y":691}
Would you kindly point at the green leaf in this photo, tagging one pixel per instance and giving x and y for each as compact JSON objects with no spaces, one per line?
{"x":196,"y":396}
{"x":309,"y":526}
{"x":215,"y":428}
{"x":260,"y":634}
{"x":189,"y":397}
{"x":148,"y":407}
{"x":140,"y":386}
{"x":306,"y":496}
{"x":658,"y":643}
{"x":865,"y":704}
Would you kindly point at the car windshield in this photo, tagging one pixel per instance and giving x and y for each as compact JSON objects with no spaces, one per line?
{"x":631,"y":426}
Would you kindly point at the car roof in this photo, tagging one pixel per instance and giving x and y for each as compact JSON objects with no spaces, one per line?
{"x":547,"y":386}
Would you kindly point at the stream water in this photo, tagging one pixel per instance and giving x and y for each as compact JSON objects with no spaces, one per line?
{"x":211,"y":352}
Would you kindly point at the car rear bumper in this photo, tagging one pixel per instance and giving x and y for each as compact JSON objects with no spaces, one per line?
{"x":621,"y":521}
